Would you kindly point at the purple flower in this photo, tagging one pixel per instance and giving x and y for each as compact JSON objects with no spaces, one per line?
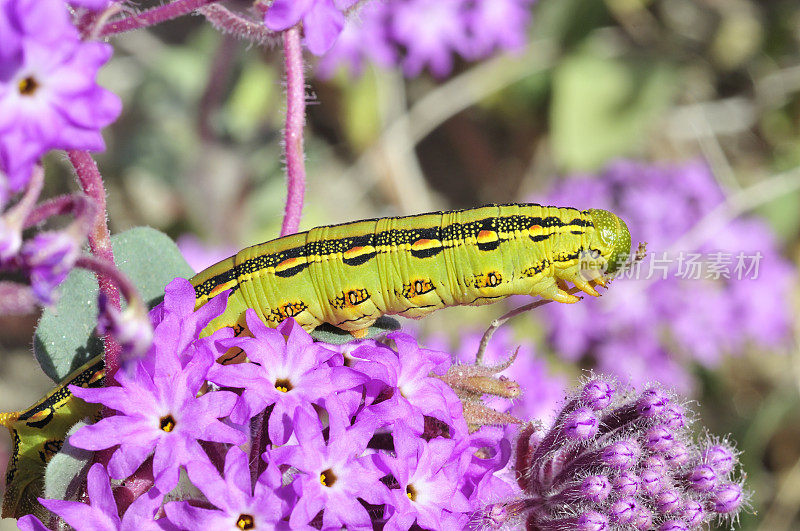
{"x":415,"y":394}
{"x":430,"y":31}
{"x":49,"y":98}
{"x":561,"y":478}
{"x":238,"y":504}
{"x":497,"y":24}
{"x":287,"y":370}
{"x":101,"y":512}
{"x":177,"y":324}
{"x":595,"y":488}
{"x":426,"y":492}
{"x":322,"y":20}
{"x":159,"y":412}
{"x":333,"y":473}
{"x":701,"y":302}
{"x":131,"y":329}
{"x":419,"y":34}
{"x":48,"y":258}
{"x":364,"y":38}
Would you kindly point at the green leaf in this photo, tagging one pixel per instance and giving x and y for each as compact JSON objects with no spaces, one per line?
{"x":602,"y":108}
{"x":64,"y":338}
{"x":67,"y":468}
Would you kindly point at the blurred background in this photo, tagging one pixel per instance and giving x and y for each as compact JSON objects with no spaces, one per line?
{"x":681,"y":116}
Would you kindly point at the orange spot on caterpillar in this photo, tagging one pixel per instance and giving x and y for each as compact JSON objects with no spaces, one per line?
{"x":424,"y":244}
{"x":486,"y":236}
{"x":290,"y":263}
{"x":355,"y":252}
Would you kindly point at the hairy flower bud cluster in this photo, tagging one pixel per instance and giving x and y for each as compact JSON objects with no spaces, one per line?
{"x":620,"y":460}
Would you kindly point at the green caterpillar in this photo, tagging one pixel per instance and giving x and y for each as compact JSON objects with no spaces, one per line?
{"x":349,"y":275}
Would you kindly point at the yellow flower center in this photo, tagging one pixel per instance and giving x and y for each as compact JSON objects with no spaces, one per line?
{"x":245,"y":521}
{"x":167,"y":423}
{"x":327,"y":478}
{"x":283,"y":385}
{"x":28,"y":86}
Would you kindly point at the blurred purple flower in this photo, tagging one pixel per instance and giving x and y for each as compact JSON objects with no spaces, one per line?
{"x":365,"y":37}
{"x":199,"y":255}
{"x":49,"y":98}
{"x":10,"y":235}
{"x":652,"y":326}
{"x":101,"y":512}
{"x":430,"y":31}
{"x":239,"y":505}
{"x":419,"y":34}
{"x":322,"y":20}
{"x":130,"y":329}
{"x":48,"y":258}
{"x":498,"y":25}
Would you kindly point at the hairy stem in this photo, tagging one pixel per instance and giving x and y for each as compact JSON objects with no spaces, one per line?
{"x":153,"y":16}
{"x":100,"y":244}
{"x":293,"y":132}
{"x":239,"y":26}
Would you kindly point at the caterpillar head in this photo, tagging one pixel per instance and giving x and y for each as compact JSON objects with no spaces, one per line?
{"x":611,"y":238}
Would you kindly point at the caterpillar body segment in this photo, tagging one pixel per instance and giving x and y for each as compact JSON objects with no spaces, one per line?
{"x":348,"y":275}
{"x":37,"y":434}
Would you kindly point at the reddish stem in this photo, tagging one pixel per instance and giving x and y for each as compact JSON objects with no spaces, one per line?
{"x":100,"y":244}
{"x":154,"y":16}
{"x":241,"y":27}
{"x":293,"y":132}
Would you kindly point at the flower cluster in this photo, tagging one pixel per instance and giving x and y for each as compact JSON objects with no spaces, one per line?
{"x":357,"y":435}
{"x":394,"y":33}
{"x":49,"y":98}
{"x":617,"y":460}
{"x":652,"y":325}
